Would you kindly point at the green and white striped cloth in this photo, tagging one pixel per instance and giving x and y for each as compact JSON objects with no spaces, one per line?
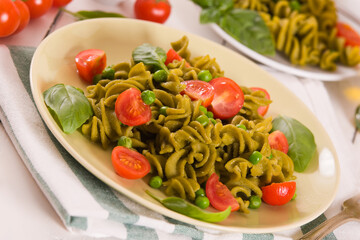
{"x":84,"y":203}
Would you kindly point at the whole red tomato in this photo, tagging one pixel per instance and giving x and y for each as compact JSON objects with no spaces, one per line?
{"x":9,"y":18}
{"x":24,"y":14}
{"x":152,"y":10}
{"x":38,"y":8}
{"x":60,"y":3}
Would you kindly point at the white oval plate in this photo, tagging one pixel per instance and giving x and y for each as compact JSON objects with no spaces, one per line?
{"x":53,"y":62}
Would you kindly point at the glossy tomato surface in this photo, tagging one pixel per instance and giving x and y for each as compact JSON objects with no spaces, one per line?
{"x":9,"y":18}
{"x":228,"y":98}
{"x":152,"y":10}
{"x":38,"y":8}
{"x":352,"y":38}
{"x":61,"y":3}
{"x":278,"y":141}
{"x":89,"y":63}
{"x":129,"y":163}
{"x":262,"y":110}
{"x":219,"y":195}
{"x":130,"y":109}
{"x":172,"y":55}
{"x":199,"y":90}
{"x":24,"y":14}
{"x":277,"y":194}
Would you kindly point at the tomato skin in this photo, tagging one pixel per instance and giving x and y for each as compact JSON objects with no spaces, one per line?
{"x":130,"y":109}
{"x":199,"y":90}
{"x":277,"y":194}
{"x":352,"y":38}
{"x":228,"y":98}
{"x":129,"y":163}
{"x":262,"y":110}
{"x":278,"y":141}
{"x":38,"y":8}
{"x":89,"y":63}
{"x":219,"y":195}
{"x":24,"y":14}
{"x":172,"y":55}
{"x":60,"y":3}
{"x":152,"y":10}
{"x":9,"y":18}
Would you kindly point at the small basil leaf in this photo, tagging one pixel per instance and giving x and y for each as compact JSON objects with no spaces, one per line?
{"x":224,"y":5}
{"x":151,"y":56}
{"x":249,"y":28}
{"x":210,"y":15}
{"x":302,"y":146}
{"x":69,"y":107}
{"x":204,"y":3}
{"x":83,"y":15}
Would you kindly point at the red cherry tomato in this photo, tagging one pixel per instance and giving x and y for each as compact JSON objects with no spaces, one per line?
{"x":219,"y":195}
{"x":262,"y":110}
{"x":152,"y":10}
{"x":38,"y":8}
{"x":228,"y":98}
{"x":352,"y":38}
{"x":129,"y":163}
{"x":172,"y":55}
{"x":130,"y":109}
{"x":278,"y":141}
{"x":24,"y":14}
{"x":9,"y":18}
{"x":277,"y":194}
{"x":89,"y":63}
{"x":60,"y":3}
{"x":199,"y":90}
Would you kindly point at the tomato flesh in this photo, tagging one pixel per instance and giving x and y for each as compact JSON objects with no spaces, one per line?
{"x":152,"y":10}
{"x":278,"y":141}
{"x":199,"y":90}
{"x":130,"y":109}
{"x":228,"y":98}
{"x":262,"y":110}
{"x":9,"y":18}
{"x":129,"y":163}
{"x":172,"y":55}
{"x":277,"y":194}
{"x":89,"y":63}
{"x":352,"y":38}
{"x":219,"y":195}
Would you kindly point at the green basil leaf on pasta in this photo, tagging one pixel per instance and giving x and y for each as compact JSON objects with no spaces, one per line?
{"x":302,"y":146}
{"x":151,"y":56}
{"x":249,"y":28}
{"x":69,"y":107}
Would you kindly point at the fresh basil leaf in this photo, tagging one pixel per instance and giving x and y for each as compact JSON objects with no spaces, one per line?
{"x":302,"y":146}
{"x":204,"y":3}
{"x":151,"y":56}
{"x":68,"y":106}
{"x":83,"y":15}
{"x":249,"y":28}
{"x":224,"y":5}
{"x":210,"y":15}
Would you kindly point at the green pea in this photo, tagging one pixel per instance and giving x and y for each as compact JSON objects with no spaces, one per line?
{"x":202,"y":202}
{"x":200,"y":192}
{"x":162,"y":110}
{"x":108,"y":73}
{"x":213,"y":121}
{"x":255,"y":157}
{"x":203,"y":119}
{"x":148,"y":97}
{"x":203,"y":109}
{"x":255,"y":202}
{"x":241,"y":126}
{"x":155,"y":182}
{"x":125,"y":142}
{"x":205,"y":75}
{"x":210,"y":114}
{"x":295,"y":5}
{"x":160,"y":76}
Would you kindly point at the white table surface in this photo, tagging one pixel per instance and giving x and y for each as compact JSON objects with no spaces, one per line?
{"x":25,"y":213}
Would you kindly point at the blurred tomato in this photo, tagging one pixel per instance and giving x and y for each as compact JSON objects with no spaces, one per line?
{"x":9,"y":18}
{"x":61,"y":3}
{"x":152,"y":10}
{"x":24,"y":14}
{"x":38,"y":8}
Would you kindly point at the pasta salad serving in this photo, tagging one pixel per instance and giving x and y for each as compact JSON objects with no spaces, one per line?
{"x":180,"y":123}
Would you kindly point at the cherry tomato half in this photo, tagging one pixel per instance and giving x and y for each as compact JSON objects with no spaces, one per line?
{"x":24,"y":14}
{"x":129,"y":163}
{"x":38,"y":8}
{"x":152,"y":10}
{"x":9,"y":18}
{"x":277,"y":194}
{"x":228,"y":98}
{"x":60,"y":3}
{"x":352,"y":38}
{"x":199,"y":90}
{"x":89,"y":63}
{"x":219,"y":195}
{"x":278,"y":141}
{"x":130,"y":109}
{"x":172,"y":55}
{"x":262,"y":110}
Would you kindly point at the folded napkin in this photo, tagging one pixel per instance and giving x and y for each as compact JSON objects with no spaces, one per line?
{"x":87,"y":205}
